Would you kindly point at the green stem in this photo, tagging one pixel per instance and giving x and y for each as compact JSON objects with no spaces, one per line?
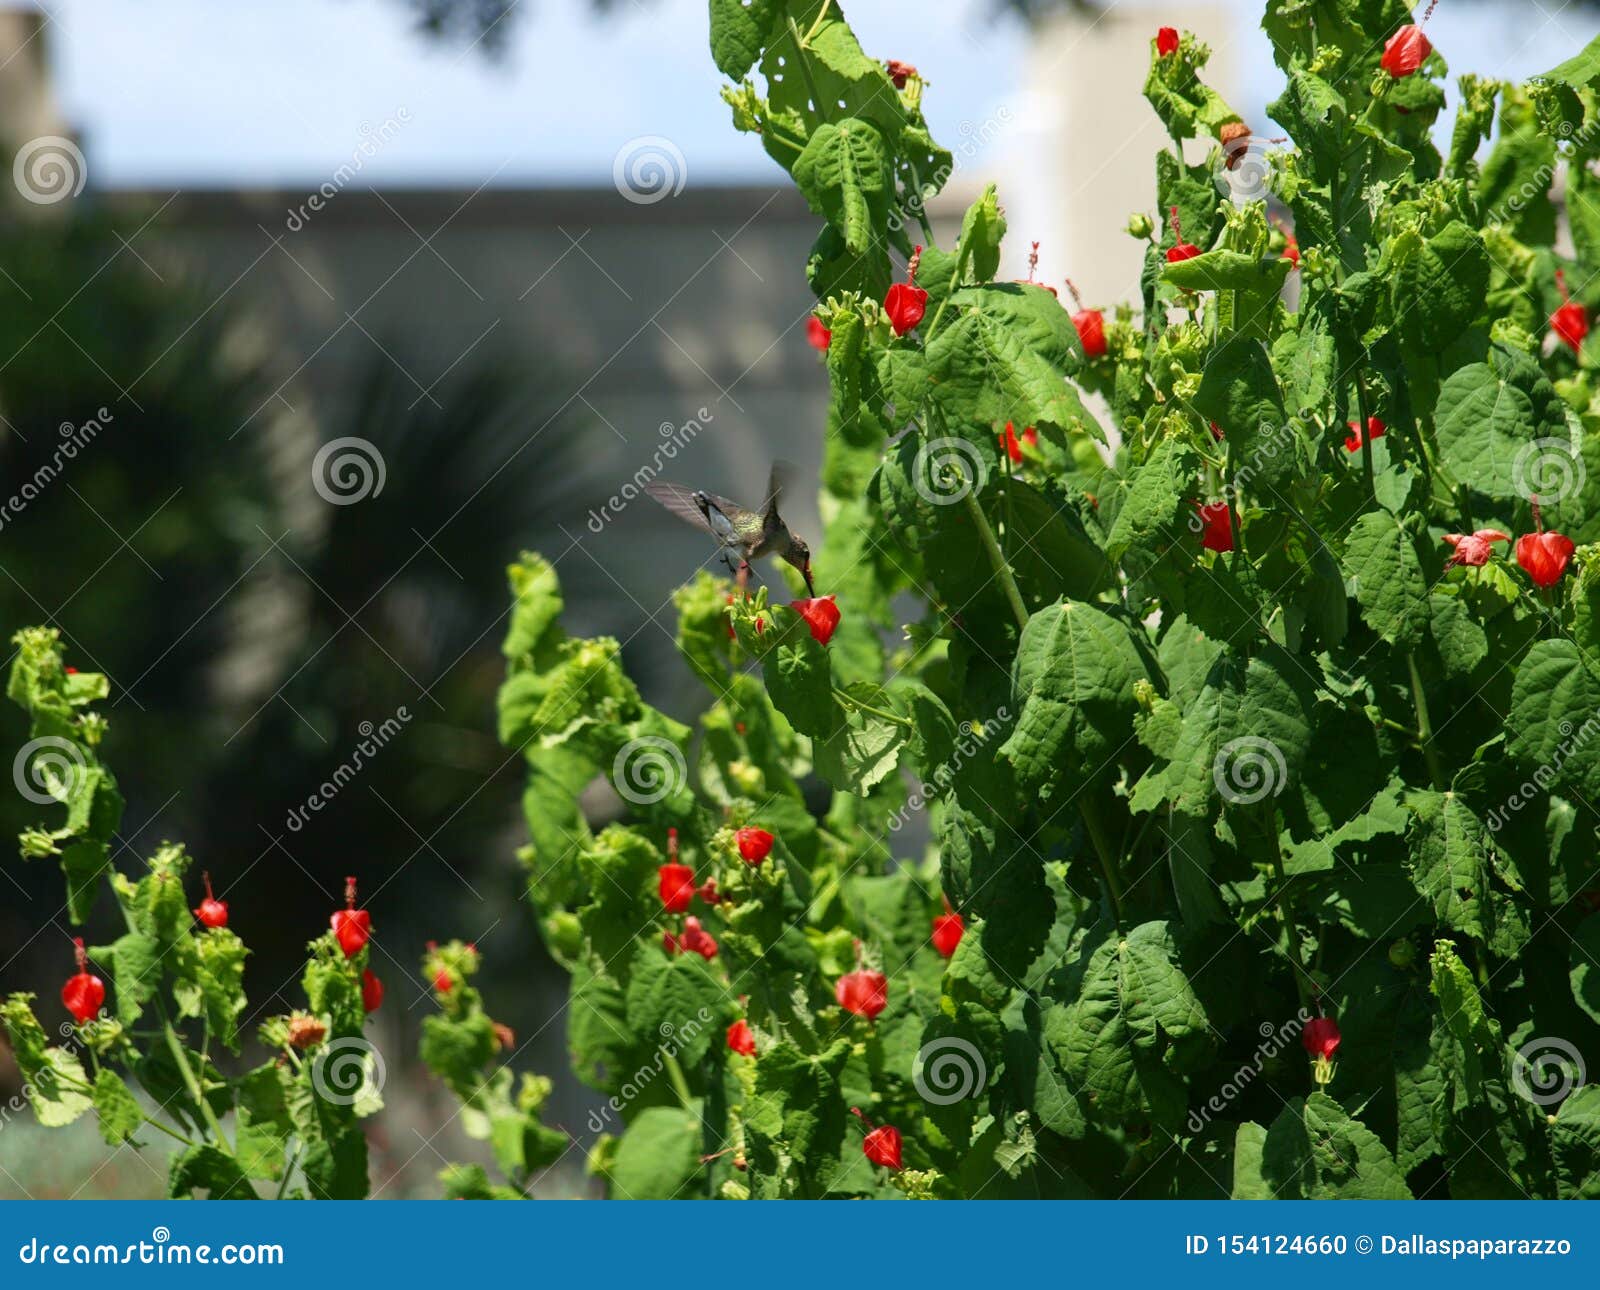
{"x":192,"y":1084}
{"x":997,"y":559}
{"x":680,"y":1085}
{"x":1102,"y":850}
{"x":151,"y":1121}
{"x":961,"y":267}
{"x":805,"y":70}
{"x":1366,"y":438}
{"x":288,"y":1173}
{"x":849,"y":700}
{"x":1424,"y":725}
{"x":1286,"y":928}
{"x":816,"y":26}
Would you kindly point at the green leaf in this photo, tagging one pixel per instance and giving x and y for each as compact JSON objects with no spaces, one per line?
{"x":210,"y":970}
{"x":1554,"y":687}
{"x":209,"y":1169}
{"x":1073,"y":681}
{"x":674,"y":998}
{"x":1315,"y":1150}
{"x":1239,"y":392}
{"x":1575,"y":1145}
{"x":1158,"y":501}
{"x":1385,"y":575}
{"x":845,"y":176}
{"x":1485,"y":423}
{"x":118,"y":1113}
{"x":659,"y":1156}
{"x":264,"y":1122}
{"x":739,"y":29}
{"x":1585,"y":957}
{"x":1437,"y":285}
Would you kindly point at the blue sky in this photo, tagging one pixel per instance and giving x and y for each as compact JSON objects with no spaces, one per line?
{"x":277,"y":92}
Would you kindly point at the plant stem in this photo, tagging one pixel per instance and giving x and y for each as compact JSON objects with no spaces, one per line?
{"x":997,"y":558}
{"x":805,"y":69}
{"x":816,"y":26}
{"x":1102,"y":850}
{"x":1424,"y":725}
{"x":192,"y":1084}
{"x":849,"y":700}
{"x":680,"y":1085}
{"x":1366,"y":437}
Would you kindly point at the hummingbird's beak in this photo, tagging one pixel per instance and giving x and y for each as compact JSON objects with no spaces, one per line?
{"x":805,"y":572}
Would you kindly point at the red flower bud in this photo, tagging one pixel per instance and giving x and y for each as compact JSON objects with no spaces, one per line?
{"x":1183,"y":251}
{"x":755,"y":845}
{"x":1406,"y":51}
{"x":443,"y":982}
{"x":1544,"y":556}
{"x":371,"y":991}
{"x":863,"y":992}
{"x":1216,"y":431}
{"x":1571,"y":324}
{"x":1291,"y":251}
{"x":352,"y":926}
{"x":821,"y":614}
{"x":1030,"y":436}
{"x":696,"y":940}
{"x":1166,"y":41}
{"x":881,"y":1144}
{"x":900,"y":72}
{"x":1375,"y":429}
{"x":669,"y":944}
{"x":1091,"y":325}
{"x":740,"y":1040}
{"x":1009,"y":444}
{"x":1217,"y":535}
{"x":905,"y":304}
{"x":948,"y":929}
{"x":84,"y":992}
{"x":676,"y":884}
{"x":818,"y":335}
{"x":211,"y":912}
{"x":1474,"y":548}
{"x":1321,"y":1037}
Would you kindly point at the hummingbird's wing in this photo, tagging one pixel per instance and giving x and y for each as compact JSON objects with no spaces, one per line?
{"x":782,"y":472}
{"x":681,"y":502}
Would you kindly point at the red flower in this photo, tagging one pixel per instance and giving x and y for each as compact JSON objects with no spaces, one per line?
{"x":1217,"y":535}
{"x":1375,"y":429}
{"x":1166,"y":41}
{"x":1216,"y":432}
{"x":1291,"y":250}
{"x":740,"y":1040}
{"x":708,"y":892}
{"x":669,"y":943}
{"x":1183,"y":250}
{"x":900,"y":72}
{"x":352,"y":926}
{"x":1544,"y":556}
{"x":755,"y":845}
{"x":1009,"y":444}
{"x":821,"y":614}
{"x":1571,"y":321}
{"x":211,"y":912}
{"x":1474,"y":548}
{"x":1321,"y":1037}
{"x":948,"y":929}
{"x":1030,"y":436}
{"x":84,"y":992}
{"x":676,"y":884}
{"x":863,"y":992}
{"x":881,"y":1144}
{"x":905,"y":304}
{"x":1091,"y":325}
{"x":696,"y":940}
{"x":818,"y":335}
{"x":1406,"y":51}
{"x":371,"y":991}
{"x":443,"y":982}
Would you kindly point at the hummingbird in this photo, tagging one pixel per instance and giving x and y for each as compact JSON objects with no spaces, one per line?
{"x":741,"y":533}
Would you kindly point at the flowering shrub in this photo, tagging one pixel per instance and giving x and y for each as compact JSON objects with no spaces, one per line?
{"x":1279,"y":741}
{"x":176,"y":990}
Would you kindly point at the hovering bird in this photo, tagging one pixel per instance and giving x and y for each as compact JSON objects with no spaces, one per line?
{"x":743,"y":534}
